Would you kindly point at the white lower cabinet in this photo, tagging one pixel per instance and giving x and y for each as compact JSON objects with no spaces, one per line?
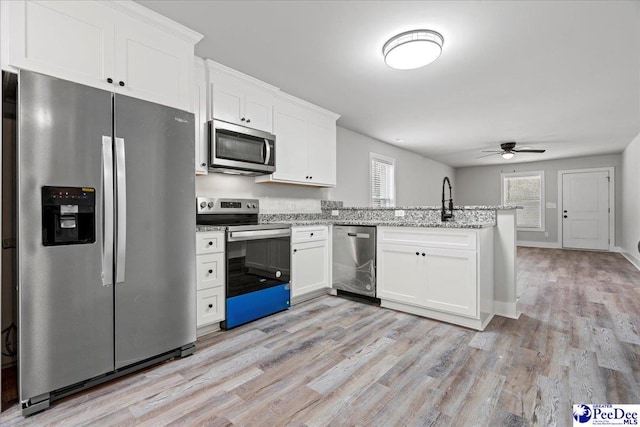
{"x":210,"y":279}
{"x":446,"y":274}
{"x":309,"y":261}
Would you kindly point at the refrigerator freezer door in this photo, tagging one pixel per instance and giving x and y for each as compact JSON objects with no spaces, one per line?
{"x":65,"y":311}
{"x":155,"y":309}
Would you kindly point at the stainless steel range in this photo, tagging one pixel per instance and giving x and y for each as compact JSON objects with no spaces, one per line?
{"x":258,"y":263}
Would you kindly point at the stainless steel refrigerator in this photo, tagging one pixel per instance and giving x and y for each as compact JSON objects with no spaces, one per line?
{"x":106,"y":226}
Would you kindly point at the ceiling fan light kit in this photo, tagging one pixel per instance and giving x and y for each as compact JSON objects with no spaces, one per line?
{"x":412,"y":49}
{"x":507,"y":155}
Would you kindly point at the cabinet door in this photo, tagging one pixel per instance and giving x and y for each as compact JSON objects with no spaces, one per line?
{"x":322,"y":152}
{"x":451,"y":281}
{"x":291,"y":129}
{"x":227,"y":101}
{"x":310,"y":267}
{"x":401,"y":274}
{"x":68,"y":39}
{"x":200,"y":111}
{"x":258,"y":110}
{"x":152,"y":64}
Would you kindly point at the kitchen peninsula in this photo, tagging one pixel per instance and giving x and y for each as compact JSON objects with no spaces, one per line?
{"x":460,"y":271}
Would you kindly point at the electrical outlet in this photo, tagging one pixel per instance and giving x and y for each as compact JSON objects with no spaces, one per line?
{"x":335,"y":212}
{"x":399,"y":212}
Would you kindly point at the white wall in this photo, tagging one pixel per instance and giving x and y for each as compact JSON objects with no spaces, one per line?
{"x":481,"y":186}
{"x":631,"y":201}
{"x":418,"y":180}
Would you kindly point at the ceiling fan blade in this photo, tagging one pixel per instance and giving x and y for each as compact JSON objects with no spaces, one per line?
{"x":491,"y":151}
{"x":488,"y":155}
{"x":529,"y":151}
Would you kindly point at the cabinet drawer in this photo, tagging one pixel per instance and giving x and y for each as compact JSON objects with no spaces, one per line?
{"x":444,"y":238}
{"x":210,"y":271}
{"x":309,"y":234}
{"x":210,"y":307}
{"x":209,"y":242}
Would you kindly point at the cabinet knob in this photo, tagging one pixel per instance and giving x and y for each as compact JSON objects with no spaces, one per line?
{"x":203,"y":164}
{"x":242,"y":119}
{"x":423,"y":254}
{"x":248,"y":120}
{"x":306,"y":177}
{"x":121,"y":83}
{"x":311,"y":234}
{"x":565,"y":211}
{"x":210,"y":243}
{"x":210,"y":305}
{"x":310,"y":177}
{"x":109,"y":80}
{"x":210,"y":271}
{"x":295,"y":250}
{"x":565,"y":216}
{"x":417,"y":253}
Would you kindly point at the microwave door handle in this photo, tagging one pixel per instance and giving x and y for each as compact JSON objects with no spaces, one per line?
{"x":267,"y":152}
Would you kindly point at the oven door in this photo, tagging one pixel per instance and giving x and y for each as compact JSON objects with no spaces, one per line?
{"x":258,"y":274}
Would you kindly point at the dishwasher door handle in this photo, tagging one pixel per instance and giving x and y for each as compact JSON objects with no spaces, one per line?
{"x":359,"y":235}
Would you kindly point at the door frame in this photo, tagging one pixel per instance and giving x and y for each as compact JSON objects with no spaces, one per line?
{"x":612,"y":202}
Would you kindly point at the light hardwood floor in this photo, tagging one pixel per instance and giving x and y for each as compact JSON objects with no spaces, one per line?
{"x":332,"y":361}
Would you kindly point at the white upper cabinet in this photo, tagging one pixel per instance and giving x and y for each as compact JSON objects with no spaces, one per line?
{"x":305,"y":143}
{"x":117,"y":46}
{"x":240,"y":99}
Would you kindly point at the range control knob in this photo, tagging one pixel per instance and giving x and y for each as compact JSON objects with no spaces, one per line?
{"x":210,"y":205}
{"x":254,"y":206}
{"x":203,"y":205}
{"x":248,"y":205}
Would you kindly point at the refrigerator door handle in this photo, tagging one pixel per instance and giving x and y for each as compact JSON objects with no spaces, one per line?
{"x":121,"y":221}
{"x":107,"y":210}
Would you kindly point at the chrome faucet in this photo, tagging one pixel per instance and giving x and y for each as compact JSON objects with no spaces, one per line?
{"x":446,"y":216}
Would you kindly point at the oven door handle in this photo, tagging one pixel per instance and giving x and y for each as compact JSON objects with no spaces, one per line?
{"x":238,"y":236}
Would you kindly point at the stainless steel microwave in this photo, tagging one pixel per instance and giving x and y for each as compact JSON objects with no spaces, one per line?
{"x":240,"y":150}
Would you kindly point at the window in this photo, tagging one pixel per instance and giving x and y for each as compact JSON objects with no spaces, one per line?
{"x":525,"y":189}
{"x":383,"y":182}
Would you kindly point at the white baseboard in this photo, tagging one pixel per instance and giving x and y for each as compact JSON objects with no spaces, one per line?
{"x":615,"y":249}
{"x":506,"y":309}
{"x":550,"y":245}
{"x":632,"y":258}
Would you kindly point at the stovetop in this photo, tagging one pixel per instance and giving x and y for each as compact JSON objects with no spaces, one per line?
{"x":235,"y":214}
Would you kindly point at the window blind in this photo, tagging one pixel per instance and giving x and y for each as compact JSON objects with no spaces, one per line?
{"x":382,"y":182}
{"x":525,"y":191}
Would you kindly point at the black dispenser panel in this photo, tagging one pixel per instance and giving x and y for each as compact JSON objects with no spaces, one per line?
{"x":68,"y":215}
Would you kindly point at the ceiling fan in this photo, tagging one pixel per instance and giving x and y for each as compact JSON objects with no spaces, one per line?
{"x":508,"y":150}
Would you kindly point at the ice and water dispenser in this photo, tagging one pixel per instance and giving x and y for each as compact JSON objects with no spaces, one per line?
{"x":68,"y":215}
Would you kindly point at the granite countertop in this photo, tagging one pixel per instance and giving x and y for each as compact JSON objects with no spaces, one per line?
{"x":390,"y":223}
{"x":432,"y":208}
{"x":201,"y":228}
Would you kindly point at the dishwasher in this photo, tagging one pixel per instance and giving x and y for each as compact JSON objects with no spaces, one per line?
{"x":354,"y":259}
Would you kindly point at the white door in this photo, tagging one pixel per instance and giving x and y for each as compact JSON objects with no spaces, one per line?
{"x":452,"y":281}
{"x":401,"y":274}
{"x":309,"y":267}
{"x":585,"y":210}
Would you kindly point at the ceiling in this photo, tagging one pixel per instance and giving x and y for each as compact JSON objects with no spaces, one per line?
{"x":557,"y":75}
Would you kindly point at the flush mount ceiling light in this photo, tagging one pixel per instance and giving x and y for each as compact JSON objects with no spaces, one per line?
{"x":412,"y":49}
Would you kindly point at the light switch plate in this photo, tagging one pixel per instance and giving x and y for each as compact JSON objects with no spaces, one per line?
{"x":399,"y":212}
{"x":335,"y":212}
